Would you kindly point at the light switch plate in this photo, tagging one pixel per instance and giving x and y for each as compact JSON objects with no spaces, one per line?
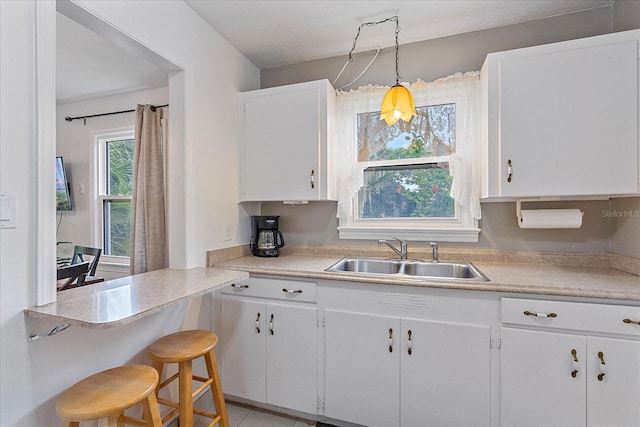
{"x":7,"y":210}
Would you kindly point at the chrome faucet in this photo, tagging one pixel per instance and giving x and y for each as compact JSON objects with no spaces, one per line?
{"x":402,"y":253}
{"x":434,"y":247}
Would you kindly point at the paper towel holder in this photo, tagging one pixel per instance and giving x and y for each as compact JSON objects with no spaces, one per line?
{"x":539,"y":199}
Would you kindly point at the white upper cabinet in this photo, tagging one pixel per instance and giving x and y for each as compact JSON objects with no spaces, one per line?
{"x":285,"y":152}
{"x":562,"y":119}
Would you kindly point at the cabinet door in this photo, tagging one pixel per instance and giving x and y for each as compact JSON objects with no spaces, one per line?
{"x":568,"y":121}
{"x":613,"y":400}
{"x":292,"y":366}
{"x":362,"y":375}
{"x":281,"y":147}
{"x":536,"y":383}
{"x":242,"y":348}
{"x":445,"y":378}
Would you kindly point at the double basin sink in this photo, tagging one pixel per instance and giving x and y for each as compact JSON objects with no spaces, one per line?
{"x":463,"y":271}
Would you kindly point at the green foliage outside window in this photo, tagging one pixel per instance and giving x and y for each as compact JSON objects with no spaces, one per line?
{"x":120,"y":167}
{"x":118,"y":212}
{"x":119,"y":228}
{"x":420,"y":190}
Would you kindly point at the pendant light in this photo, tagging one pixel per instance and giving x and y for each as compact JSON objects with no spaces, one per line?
{"x":397,"y":102}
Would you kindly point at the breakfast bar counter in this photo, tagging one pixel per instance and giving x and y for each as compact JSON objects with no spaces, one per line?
{"x":121,"y":301}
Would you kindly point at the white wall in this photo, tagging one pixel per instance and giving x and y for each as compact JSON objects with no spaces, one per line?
{"x":212,"y":81}
{"x":33,"y":374}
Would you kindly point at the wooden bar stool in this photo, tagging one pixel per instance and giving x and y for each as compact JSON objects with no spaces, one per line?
{"x":182,"y":348}
{"x":106,"y":395}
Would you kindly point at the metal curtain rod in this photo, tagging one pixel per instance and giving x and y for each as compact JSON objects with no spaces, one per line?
{"x":69,"y":119}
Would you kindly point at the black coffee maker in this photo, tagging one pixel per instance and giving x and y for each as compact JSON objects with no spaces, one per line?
{"x":266,"y":240}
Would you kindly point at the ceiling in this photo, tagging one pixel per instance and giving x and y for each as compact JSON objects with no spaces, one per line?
{"x":276,"y":33}
{"x":91,"y":66}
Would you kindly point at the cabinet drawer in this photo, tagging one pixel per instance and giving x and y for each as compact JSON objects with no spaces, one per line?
{"x":281,"y":289}
{"x":572,"y":315}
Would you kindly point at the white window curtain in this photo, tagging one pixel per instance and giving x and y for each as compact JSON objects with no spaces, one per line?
{"x":464,"y":165}
{"x":148,"y":241}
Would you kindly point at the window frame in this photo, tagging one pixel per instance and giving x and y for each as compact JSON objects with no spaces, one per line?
{"x":99,"y":174}
{"x":460,"y":228}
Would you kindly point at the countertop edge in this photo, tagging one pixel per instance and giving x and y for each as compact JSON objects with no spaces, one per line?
{"x":39,"y":312}
{"x":626,"y":293}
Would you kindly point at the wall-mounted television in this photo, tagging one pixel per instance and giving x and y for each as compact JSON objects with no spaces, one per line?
{"x":63,"y":189}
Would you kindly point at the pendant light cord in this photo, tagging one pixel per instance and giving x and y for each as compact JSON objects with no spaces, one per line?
{"x":359,"y":75}
{"x":355,"y":40}
{"x":397,"y":50}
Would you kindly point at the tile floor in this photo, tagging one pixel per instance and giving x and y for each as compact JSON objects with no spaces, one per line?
{"x":241,"y":416}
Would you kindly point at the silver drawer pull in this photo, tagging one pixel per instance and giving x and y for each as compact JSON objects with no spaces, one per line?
{"x":292,"y":291}
{"x":635,"y":322}
{"x":233,"y":285}
{"x":541,"y":315}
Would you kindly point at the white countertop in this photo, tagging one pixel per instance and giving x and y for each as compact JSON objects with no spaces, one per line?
{"x":541,"y":279}
{"x":121,"y":301}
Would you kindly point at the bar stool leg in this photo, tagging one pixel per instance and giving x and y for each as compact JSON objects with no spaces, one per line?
{"x":216,"y":389}
{"x":70,"y":424}
{"x":186,"y":393}
{"x":151,"y":410}
{"x":110,"y":421}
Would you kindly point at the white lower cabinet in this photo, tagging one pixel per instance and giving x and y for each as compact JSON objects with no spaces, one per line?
{"x":243,"y":353}
{"x":269,"y":352}
{"x":396,"y":356}
{"x":292,"y":366}
{"x":614,"y":399}
{"x":536,"y":387}
{"x":553,"y":377}
{"x":445,"y":379}
{"x":394,"y":371}
{"x":362,"y":377}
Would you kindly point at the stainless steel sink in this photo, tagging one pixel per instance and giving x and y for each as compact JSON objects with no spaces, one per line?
{"x":464,"y":271}
{"x":366,"y":265}
{"x":450,"y":270}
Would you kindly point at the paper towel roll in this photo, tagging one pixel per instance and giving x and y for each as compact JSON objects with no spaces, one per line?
{"x":550,"y":218}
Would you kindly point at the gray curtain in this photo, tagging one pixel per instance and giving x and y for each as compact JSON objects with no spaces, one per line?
{"x":148,"y":241}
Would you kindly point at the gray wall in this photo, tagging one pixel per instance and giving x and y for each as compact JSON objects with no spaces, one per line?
{"x":625,"y":227}
{"x":316,"y":223}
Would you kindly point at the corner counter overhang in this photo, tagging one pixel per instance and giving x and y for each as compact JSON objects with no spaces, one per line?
{"x":121,"y":301}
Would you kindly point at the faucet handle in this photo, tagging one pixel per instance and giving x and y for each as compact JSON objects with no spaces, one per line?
{"x":433,"y":244}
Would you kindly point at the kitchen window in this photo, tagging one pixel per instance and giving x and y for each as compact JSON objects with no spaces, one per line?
{"x":407,"y":173}
{"x":412,"y":180}
{"x":114,"y":178}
